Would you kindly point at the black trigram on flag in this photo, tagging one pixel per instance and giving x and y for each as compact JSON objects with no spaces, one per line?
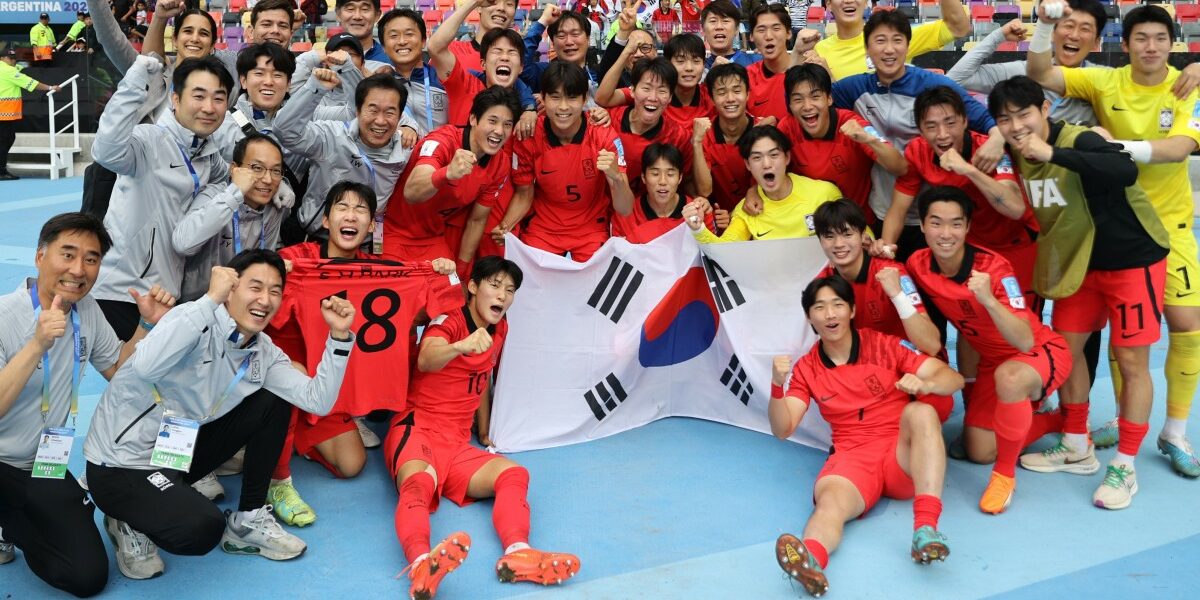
{"x":605,"y":396}
{"x":612,"y":295}
{"x":734,"y":378}
{"x":725,"y":289}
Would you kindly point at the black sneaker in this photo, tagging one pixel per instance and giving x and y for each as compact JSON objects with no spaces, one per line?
{"x":6,"y":176}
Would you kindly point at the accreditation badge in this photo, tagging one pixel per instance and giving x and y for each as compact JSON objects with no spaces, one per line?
{"x":53,"y":452}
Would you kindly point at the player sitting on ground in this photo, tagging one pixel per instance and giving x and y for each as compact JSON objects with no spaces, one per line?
{"x":428,"y":451}
{"x":886,"y":444}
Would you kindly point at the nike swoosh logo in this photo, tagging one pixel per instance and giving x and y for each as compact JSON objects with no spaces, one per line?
{"x":174,"y":166}
{"x":826,"y":398}
{"x":1186,"y":374}
{"x":1118,"y":109}
{"x":1126,"y":336}
{"x":762,"y":233}
{"x":549,"y":172}
{"x":1178,"y":295}
{"x":761,"y":102}
{"x":206,"y":362}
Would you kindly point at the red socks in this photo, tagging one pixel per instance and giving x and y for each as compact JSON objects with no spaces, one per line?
{"x":817,"y":551}
{"x":412,"y":514}
{"x":1011,"y":423}
{"x":926,"y":511}
{"x":510,"y":512}
{"x":283,"y":469}
{"x":1075,"y":417}
{"x":1131,"y":436}
{"x":1044,"y":423}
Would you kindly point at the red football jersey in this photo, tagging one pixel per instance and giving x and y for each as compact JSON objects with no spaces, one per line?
{"x":635,"y":144}
{"x":416,"y":223}
{"x":766,"y":92}
{"x":873,"y":309}
{"x":681,"y":115}
{"x":387,"y":297}
{"x":570,"y":195}
{"x":950,"y":295}
{"x":643,"y":225}
{"x":989,"y":228}
{"x":730,"y":177}
{"x":445,"y":400}
{"x":287,"y":336}
{"x":466,"y":53}
{"x":835,"y":158}
{"x":859,"y":399}
{"x":461,"y":88}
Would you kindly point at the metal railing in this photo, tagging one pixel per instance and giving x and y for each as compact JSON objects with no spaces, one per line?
{"x":55,"y":155}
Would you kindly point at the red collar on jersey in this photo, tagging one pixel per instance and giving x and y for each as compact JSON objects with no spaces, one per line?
{"x":854,"y":345}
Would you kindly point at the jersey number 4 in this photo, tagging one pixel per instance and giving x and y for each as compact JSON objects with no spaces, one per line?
{"x":377,"y":333}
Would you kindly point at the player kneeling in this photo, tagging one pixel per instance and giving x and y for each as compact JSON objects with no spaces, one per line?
{"x":885,"y":443}
{"x":428,"y":451}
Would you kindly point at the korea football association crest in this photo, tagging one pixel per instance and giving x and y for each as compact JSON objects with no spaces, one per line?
{"x":1166,"y":119}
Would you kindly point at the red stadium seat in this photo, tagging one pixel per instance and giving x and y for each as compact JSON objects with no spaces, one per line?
{"x":816,"y":14}
{"x":237,"y":5}
{"x":1187,"y":13}
{"x":1007,"y":47}
{"x":301,"y":46}
{"x":1194,"y":46}
{"x":982,"y":12}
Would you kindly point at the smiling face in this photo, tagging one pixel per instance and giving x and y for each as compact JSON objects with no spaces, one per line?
{"x":349,"y":223}
{"x":496,"y":14}
{"x":378,"y":117}
{"x":842,"y":248}
{"x":193,"y":39}
{"x":1017,"y":124}
{"x":265,"y":161}
{"x":402,"y":42}
{"x":809,"y":104}
{"x":643,"y":47}
{"x":943,"y":129}
{"x":830,"y":315}
{"x":1074,"y":37}
{"x":1148,"y":47}
{"x":651,"y":95}
{"x":570,"y":42}
{"x":770,"y":36}
{"x":945,"y":227}
{"x":357,"y":18}
{"x":730,"y":94}
{"x":887,"y":49}
{"x":768,"y":164}
{"x":719,"y":32}
{"x":491,"y":298}
{"x":273,"y":26}
{"x":662,"y":181}
{"x":502,"y":63}
{"x":690,"y":70}
{"x":490,"y":132}
{"x":256,"y":298}
{"x":200,"y":108}
{"x":847,"y":13}
{"x":68,"y":266}
{"x":564,"y":112}
{"x":265,"y":86}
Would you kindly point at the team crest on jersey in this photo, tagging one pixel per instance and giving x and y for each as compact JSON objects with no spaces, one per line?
{"x":873,"y":385}
{"x":873,"y":310}
{"x":439,"y":102}
{"x":966,"y":308}
{"x":589,"y":168}
{"x":1194,"y":123}
{"x":839,"y":163}
{"x":1166,"y":119}
{"x":1012,"y":289}
{"x":808,"y":221}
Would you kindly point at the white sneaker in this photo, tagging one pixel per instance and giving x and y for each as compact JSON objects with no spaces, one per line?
{"x":7,"y":550}
{"x":370,"y":440}
{"x":1118,"y":488}
{"x":233,"y":466}
{"x":210,"y":487}
{"x":1062,"y":458}
{"x":137,"y":556}
{"x":258,"y":533}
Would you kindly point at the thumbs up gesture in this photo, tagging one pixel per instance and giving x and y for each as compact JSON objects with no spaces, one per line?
{"x":51,"y":325}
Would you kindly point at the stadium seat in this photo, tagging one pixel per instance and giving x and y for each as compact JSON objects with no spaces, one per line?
{"x":528,"y":5}
{"x":424,"y":5}
{"x":231,"y":18}
{"x":1112,"y":11}
{"x":982,"y":29}
{"x":982,"y":12}
{"x":908,"y":12}
{"x":432,"y":18}
{"x":1179,"y":47}
{"x":332,"y":31}
{"x":967,"y":47}
{"x":1187,"y":13}
{"x":816,"y":14}
{"x":1005,"y":13}
{"x":931,"y":13}
{"x":1190,"y":31}
{"x":1110,"y":47}
{"x":386,"y":5}
{"x":1007,"y":47}
{"x":445,"y":5}
{"x":1194,"y":46}
{"x":301,"y":46}
{"x":1027,"y":9}
{"x":218,"y":5}
{"x":237,"y":5}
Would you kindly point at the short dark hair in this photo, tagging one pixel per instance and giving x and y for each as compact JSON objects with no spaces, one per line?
{"x":662,"y":151}
{"x":495,"y":96}
{"x":207,"y":64}
{"x":569,"y":15}
{"x":937,"y":96}
{"x":812,"y":73}
{"x":239,"y":149}
{"x":1016,"y":93}
{"x":944,"y":193}
{"x":287,"y":6}
{"x":568,"y":77}
{"x":258,"y":256}
{"x":397,"y":13}
{"x":74,"y":221}
{"x":725,"y":71}
{"x":379,"y":81}
{"x":280,"y":58}
{"x":780,"y":12}
{"x":341,"y":3}
{"x":840,"y":287}
{"x":839,"y":216}
{"x":759,"y":132}
{"x":658,"y":67}
{"x":179,"y":21}
{"x":342,"y":188}
{"x":489,"y":266}
{"x":684,"y":45}
{"x":721,"y":8}
{"x":490,"y":38}
{"x":1094,"y":8}
{"x":1147,"y":13}
{"x":887,"y":18}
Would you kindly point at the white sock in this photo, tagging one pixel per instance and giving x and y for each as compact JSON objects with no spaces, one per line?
{"x":1077,"y":442}
{"x":275,"y":482}
{"x":1174,"y":428}
{"x":515,"y":547}
{"x":1122,"y":459}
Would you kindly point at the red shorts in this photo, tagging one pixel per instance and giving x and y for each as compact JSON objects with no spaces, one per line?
{"x":873,"y":469}
{"x":416,"y":251}
{"x":1130,"y":299}
{"x":308,"y":435}
{"x":454,"y":462}
{"x":1052,"y":361}
{"x":1022,"y":259}
{"x":581,"y":245}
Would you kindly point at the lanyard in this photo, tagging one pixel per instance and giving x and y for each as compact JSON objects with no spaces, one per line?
{"x":428,"y":101}
{"x":76,"y":371}
{"x":237,"y":232}
{"x":187,"y":161}
{"x":237,"y":378}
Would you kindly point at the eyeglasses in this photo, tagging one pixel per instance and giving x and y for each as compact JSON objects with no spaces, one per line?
{"x":259,"y":171}
{"x":645,"y":48}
